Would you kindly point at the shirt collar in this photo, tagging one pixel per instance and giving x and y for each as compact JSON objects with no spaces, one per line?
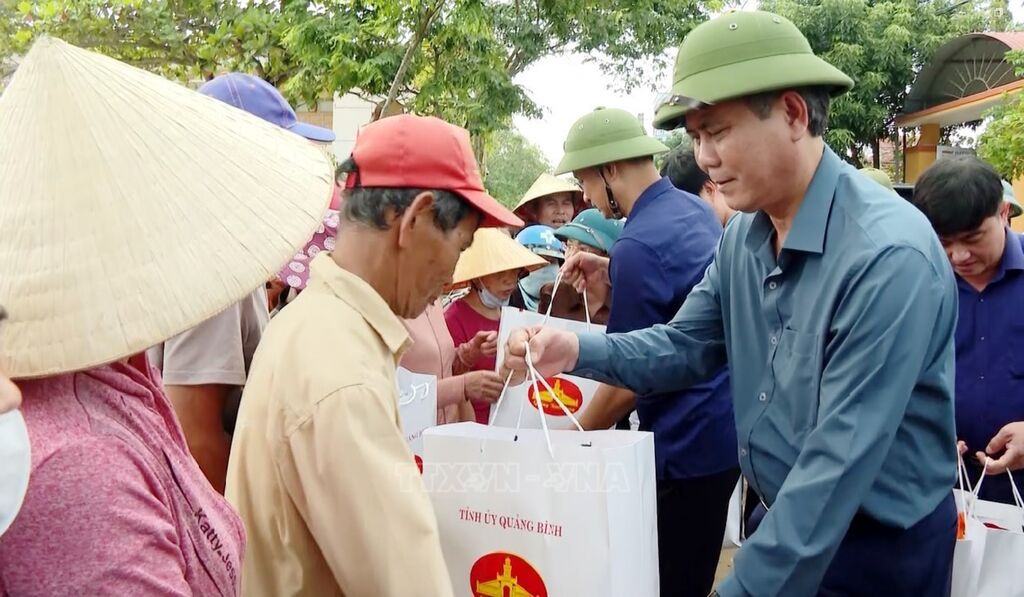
{"x":1013,"y":253}
{"x":656,"y":189}
{"x":359,"y":295}
{"x":1013,"y":257}
{"x":811,"y":221}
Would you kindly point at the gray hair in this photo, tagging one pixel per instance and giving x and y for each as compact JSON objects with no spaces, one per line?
{"x":816,"y":98}
{"x":370,"y":206}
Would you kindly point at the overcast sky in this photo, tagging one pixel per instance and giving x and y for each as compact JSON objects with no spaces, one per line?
{"x":566,"y":87}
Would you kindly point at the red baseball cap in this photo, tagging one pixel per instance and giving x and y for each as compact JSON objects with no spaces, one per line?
{"x":423,"y":152}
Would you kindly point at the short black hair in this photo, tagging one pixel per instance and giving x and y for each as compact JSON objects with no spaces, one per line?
{"x":369,"y":205}
{"x":958,"y":194}
{"x":681,"y":168}
{"x":816,"y":98}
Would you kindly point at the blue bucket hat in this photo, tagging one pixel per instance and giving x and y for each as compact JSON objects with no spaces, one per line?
{"x":259,"y":98}
{"x":591,"y":228}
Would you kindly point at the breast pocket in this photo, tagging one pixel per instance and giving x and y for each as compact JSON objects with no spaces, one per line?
{"x":797,"y":368}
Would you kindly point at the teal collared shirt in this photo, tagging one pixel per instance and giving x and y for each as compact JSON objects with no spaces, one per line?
{"x":842,"y":363}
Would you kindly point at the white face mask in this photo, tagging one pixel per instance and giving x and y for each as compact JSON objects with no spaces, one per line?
{"x":491,"y":301}
{"x":15,"y":465}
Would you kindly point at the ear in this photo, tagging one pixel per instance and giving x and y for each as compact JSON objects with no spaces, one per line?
{"x":1004,"y":213}
{"x":794,"y":108}
{"x":420,"y":213}
{"x":710,"y":187}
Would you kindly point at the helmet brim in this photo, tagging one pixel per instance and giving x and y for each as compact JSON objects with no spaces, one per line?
{"x":610,"y":152}
{"x":742,"y":79}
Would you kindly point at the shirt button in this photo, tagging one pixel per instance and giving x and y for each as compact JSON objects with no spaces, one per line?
{"x":743,"y":452}
{"x":983,"y":338}
{"x":981,"y":377}
{"x":772,"y":285}
{"x":762,"y":396}
{"x":774,"y":340}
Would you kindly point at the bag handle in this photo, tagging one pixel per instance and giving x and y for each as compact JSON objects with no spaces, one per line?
{"x":554,"y":291}
{"x":537,"y":377}
{"x":501,"y":397}
{"x":963,"y":506}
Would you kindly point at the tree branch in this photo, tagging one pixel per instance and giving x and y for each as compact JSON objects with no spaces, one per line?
{"x":410,"y":50}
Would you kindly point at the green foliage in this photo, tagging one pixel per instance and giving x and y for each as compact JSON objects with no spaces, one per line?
{"x":676,"y":138}
{"x":881,"y":45}
{"x":464,"y":65}
{"x":513,"y":163}
{"x":183,"y":39}
{"x":1002,"y":143}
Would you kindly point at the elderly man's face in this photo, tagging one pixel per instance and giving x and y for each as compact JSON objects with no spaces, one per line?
{"x":429,"y":260}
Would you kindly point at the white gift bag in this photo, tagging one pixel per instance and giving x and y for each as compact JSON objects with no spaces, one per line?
{"x":417,"y":408}
{"x":544,"y":512}
{"x":969,"y":552}
{"x":514,"y":518}
{"x":1001,"y":573}
{"x":987,"y":560}
{"x":734,"y":521}
{"x":573,"y":392}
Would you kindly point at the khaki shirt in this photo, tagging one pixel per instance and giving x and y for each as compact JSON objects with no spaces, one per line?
{"x":332,"y":501}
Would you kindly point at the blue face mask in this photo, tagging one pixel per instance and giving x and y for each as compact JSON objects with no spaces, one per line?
{"x":531,"y":285}
{"x":490,"y":301}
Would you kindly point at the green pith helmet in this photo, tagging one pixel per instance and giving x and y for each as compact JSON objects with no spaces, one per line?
{"x":740,"y":54}
{"x":878,"y":176}
{"x":603,"y":136}
{"x":1009,"y":197}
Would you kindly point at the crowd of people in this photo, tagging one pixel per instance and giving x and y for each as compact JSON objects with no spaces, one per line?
{"x":772,"y":313}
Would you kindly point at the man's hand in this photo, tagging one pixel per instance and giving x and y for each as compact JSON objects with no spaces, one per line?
{"x":10,"y":395}
{"x":484,"y":385}
{"x":588,"y":272}
{"x":1010,"y":442}
{"x":483,"y":344}
{"x":553,"y":352}
{"x":961,"y":447}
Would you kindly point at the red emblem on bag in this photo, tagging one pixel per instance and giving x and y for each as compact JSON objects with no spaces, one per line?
{"x":501,"y":574}
{"x":566,"y":392}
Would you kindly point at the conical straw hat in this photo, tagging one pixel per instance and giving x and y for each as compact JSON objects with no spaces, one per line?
{"x":132,"y":208}
{"x":547,"y":184}
{"x":493,"y":251}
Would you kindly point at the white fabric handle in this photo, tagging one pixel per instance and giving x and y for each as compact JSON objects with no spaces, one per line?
{"x":554,"y":291}
{"x":549,"y":389}
{"x":501,"y":397}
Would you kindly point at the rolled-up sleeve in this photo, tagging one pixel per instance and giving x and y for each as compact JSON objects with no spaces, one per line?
{"x":354,"y":482}
{"x":663,"y":358}
{"x":878,"y":344}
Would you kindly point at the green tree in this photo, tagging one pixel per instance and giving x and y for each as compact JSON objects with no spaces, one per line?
{"x":882,"y":45}
{"x":513,"y":164}
{"x":457,"y":59}
{"x":1002,"y":143}
{"x":183,"y":39}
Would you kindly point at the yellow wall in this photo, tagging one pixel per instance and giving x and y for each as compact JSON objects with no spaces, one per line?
{"x":922,"y":155}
